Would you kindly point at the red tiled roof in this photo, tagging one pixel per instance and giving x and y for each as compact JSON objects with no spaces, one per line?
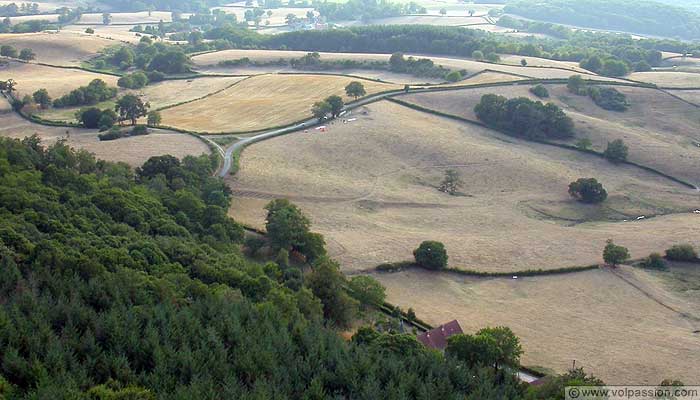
{"x":437,"y":338}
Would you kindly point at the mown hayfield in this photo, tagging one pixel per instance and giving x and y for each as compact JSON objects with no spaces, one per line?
{"x":58,"y":81}
{"x":261,"y":102}
{"x":692,"y":96}
{"x":612,"y":329}
{"x":661,"y":131}
{"x":213,"y":58}
{"x":58,"y":48}
{"x":370,"y":188}
{"x":668,"y":79}
{"x":129,"y":18}
{"x":133,"y":151}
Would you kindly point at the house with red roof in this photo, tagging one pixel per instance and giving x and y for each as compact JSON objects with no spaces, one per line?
{"x":437,"y":337}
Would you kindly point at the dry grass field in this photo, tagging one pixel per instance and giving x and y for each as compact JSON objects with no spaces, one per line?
{"x":58,"y":48}
{"x":122,"y":18}
{"x":620,"y":333}
{"x":58,"y":81}
{"x":158,"y":95}
{"x":661,"y":131}
{"x":43,"y":6}
{"x":119,"y":33}
{"x":133,"y":151}
{"x":370,"y":188}
{"x":668,"y":79}
{"x":543,"y":62}
{"x":261,"y":102}
{"x":692,"y":96}
{"x":212,"y":59}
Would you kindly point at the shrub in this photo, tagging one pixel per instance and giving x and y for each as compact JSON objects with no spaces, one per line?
{"x":139,"y":130}
{"x":616,"y":151}
{"x":540,"y":91}
{"x":89,"y":117}
{"x":609,"y":99}
{"x":453,"y":76}
{"x":8,"y":51}
{"x":27,"y":54}
{"x":107,"y":119}
{"x":654,"y":261}
{"x":113,"y":134}
{"x":137,"y":80}
{"x":89,"y":31}
{"x":682,"y":252}
{"x":155,"y":76}
{"x":478,"y":55}
{"x":154,"y":118}
{"x":577,"y":85}
{"x":612,"y":67}
{"x":431,"y":255}
{"x":588,"y":190}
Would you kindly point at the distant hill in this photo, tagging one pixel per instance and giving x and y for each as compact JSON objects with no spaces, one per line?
{"x":641,"y":17}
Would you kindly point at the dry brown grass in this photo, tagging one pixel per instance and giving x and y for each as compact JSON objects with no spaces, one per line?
{"x":119,"y":33}
{"x":370,"y":188}
{"x":661,"y":131}
{"x":58,"y":81}
{"x":61,"y":48}
{"x":668,"y":79}
{"x":612,"y":329}
{"x":438,"y":20}
{"x":133,"y":151}
{"x":542,"y":62}
{"x":209,"y":59}
{"x":277,"y":18}
{"x":261,"y":102}
{"x":25,"y":18}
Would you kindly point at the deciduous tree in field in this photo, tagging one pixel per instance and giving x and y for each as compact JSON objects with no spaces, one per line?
{"x":614,"y":254}
{"x":588,"y":190}
{"x":355,"y":89}
{"x":431,"y":255}
{"x":131,"y":107}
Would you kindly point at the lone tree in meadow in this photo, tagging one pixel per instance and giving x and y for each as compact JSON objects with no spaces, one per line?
{"x":451,"y":183}
{"x":431,"y":255}
{"x":131,"y":107}
{"x":588,"y":190}
{"x":614,"y":254}
{"x":355,"y":89}
{"x":616,"y":151}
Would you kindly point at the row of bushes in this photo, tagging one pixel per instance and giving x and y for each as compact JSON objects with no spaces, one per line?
{"x":117,"y":133}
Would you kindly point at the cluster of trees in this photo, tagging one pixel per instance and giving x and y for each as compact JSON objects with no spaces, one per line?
{"x":148,"y":56}
{"x":7,"y":50}
{"x":35,"y":25}
{"x":332,"y":105}
{"x":95,"y":92}
{"x":678,"y":252}
{"x":422,"y":67}
{"x":128,"y":107}
{"x":12,"y":9}
{"x":139,"y":291}
{"x":135,"y":80}
{"x":179,"y":6}
{"x":645,"y":17}
{"x":605,"y":97}
{"x":115,"y":133}
{"x":524,"y":118}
